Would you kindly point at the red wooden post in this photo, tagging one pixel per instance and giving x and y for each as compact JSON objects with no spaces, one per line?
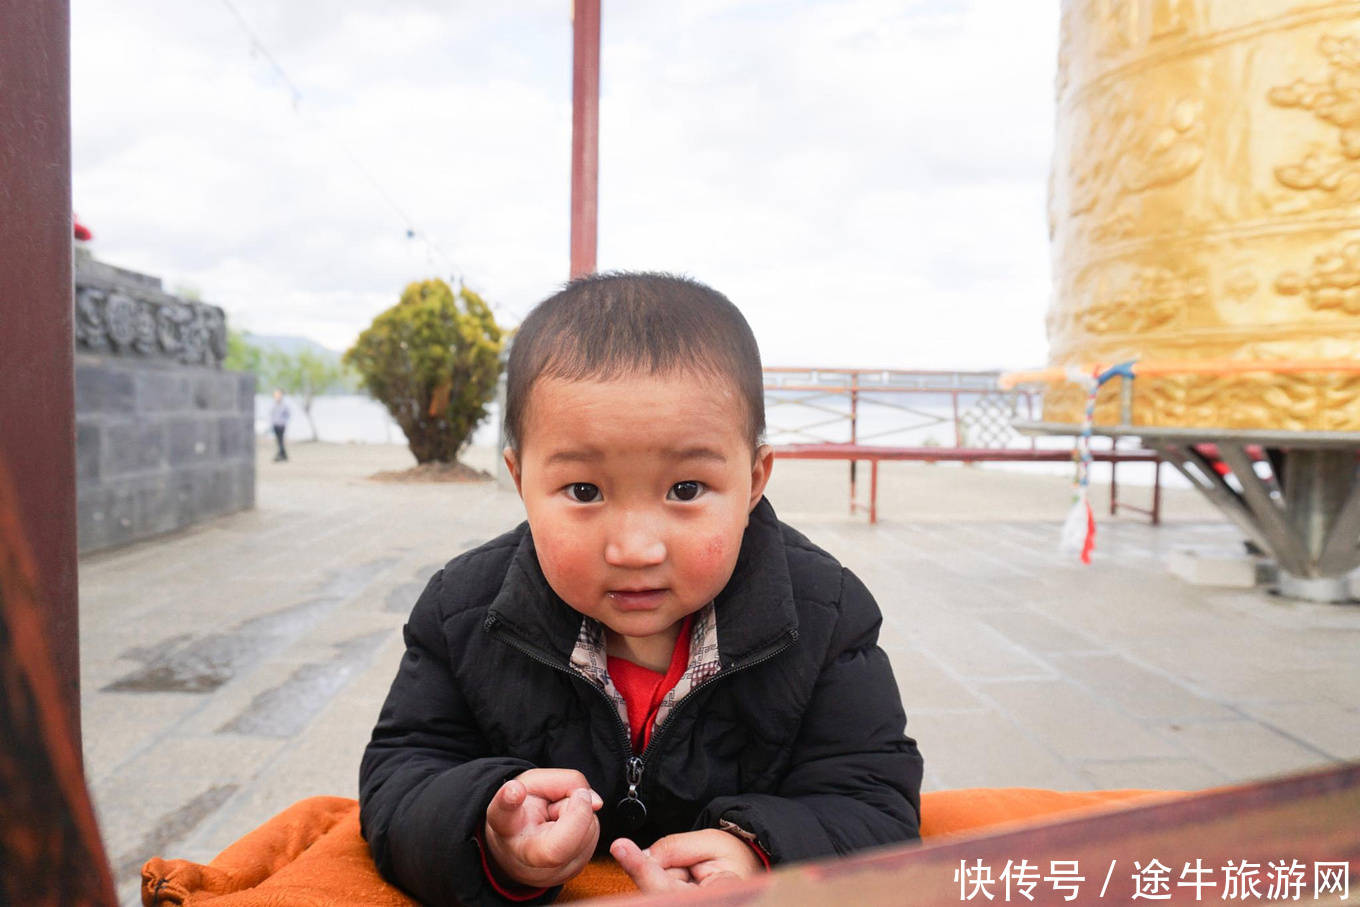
{"x":854,"y":431}
{"x":873,"y":490}
{"x":37,"y":348}
{"x":585,"y":134}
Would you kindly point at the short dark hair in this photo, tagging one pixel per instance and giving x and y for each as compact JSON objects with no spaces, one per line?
{"x":610,"y":325}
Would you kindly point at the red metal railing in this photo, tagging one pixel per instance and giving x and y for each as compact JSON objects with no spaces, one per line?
{"x":976,"y":403}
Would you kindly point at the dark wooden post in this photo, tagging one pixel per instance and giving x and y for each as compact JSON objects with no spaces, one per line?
{"x":37,"y":387}
{"x":585,"y":134}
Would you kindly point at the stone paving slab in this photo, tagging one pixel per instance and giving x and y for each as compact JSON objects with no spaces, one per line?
{"x":238,"y":666}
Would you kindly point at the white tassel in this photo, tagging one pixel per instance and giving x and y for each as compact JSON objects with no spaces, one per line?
{"x":1072,"y":539}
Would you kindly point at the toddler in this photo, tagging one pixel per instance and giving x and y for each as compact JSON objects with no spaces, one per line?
{"x":653,"y":660}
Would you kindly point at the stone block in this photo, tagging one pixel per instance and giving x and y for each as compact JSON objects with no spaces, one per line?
{"x":157,"y":510}
{"x":246,"y":390}
{"x":214,"y":491}
{"x":216,"y":391}
{"x":1227,"y":567}
{"x":162,"y":390}
{"x":192,"y":440}
{"x":130,"y":447}
{"x":91,"y":506}
{"x":236,"y":437}
{"x":87,"y":452}
{"x":106,"y":518}
{"x":159,"y":446}
{"x":101,"y":389}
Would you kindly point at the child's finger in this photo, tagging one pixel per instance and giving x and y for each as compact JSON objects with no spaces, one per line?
{"x":645,"y":872}
{"x":503,"y":813}
{"x":554,"y":808}
{"x":702,"y":871}
{"x":563,"y":840}
{"x":726,"y":877}
{"x":554,"y":783}
{"x":684,"y":849}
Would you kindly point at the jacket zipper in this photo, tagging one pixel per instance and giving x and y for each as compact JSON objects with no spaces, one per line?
{"x":657,"y":733}
{"x":541,"y":659}
{"x":631,"y":806}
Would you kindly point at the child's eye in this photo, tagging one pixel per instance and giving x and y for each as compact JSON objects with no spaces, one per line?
{"x":583,"y":492}
{"x":686,"y":491}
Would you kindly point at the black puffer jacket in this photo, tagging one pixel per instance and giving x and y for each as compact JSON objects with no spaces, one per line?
{"x":798,"y":738}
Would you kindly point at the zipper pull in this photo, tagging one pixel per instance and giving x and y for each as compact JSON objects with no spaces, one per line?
{"x":631,"y":810}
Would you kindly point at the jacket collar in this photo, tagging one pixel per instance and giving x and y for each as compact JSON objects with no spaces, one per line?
{"x":754,"y":610}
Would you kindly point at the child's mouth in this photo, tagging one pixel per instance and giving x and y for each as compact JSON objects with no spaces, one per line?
{"x":637,"y":601}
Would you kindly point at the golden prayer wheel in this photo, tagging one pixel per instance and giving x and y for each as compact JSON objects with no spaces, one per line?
{"x":1205,"y":205}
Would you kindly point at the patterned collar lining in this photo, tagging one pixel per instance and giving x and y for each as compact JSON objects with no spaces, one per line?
{"x":589,"y":659}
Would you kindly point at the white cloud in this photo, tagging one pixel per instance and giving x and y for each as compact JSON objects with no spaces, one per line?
{"x":866,"y":179}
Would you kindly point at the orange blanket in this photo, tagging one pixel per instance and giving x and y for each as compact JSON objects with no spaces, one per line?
{"x":311,"y":853}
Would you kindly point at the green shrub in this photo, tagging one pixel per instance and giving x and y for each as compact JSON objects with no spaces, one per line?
{"x":433,"y":360}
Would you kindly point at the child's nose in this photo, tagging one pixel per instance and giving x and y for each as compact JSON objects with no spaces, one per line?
{"x":632,"y":543}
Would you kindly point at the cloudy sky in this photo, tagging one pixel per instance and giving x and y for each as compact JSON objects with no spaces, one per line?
{"x":864,"y":178}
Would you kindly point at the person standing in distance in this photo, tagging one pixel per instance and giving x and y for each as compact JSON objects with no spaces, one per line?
{"x":278,"y":417}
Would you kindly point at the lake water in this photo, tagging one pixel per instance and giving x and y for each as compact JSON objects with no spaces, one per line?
{"x":357,"y":418}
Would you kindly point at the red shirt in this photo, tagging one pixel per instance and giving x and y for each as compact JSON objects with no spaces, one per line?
{"x":643,"y":689}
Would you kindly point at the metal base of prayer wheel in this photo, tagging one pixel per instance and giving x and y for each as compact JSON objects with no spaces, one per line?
{"x":1296,"y":495}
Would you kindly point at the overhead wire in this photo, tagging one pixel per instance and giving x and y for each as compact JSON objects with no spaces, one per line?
{"x":413,"y":229}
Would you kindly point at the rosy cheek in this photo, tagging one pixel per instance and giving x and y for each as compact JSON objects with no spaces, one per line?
{"x":713,"y":554}
{"x":558,"y":560}
{"x":550,"y":559}
{"x":566,"y":562}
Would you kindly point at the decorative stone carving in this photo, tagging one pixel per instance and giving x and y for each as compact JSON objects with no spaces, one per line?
{"x":146,"y":329}
{"x":116,"y":314}
{"x":120,"y":314}
{"x":90,"y":319}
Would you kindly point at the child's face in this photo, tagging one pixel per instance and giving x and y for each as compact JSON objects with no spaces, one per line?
{"x":643,"y":483}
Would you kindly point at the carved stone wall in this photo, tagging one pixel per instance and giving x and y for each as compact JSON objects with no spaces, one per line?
{"x":1205,"y":204}
{"x":126,"y":313}
{"x":164,"y":436}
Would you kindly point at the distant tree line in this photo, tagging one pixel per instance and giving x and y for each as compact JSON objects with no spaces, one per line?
{"x":303,"y":374}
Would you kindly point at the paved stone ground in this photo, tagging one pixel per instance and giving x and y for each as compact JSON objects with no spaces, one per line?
{"x":234,"y":668}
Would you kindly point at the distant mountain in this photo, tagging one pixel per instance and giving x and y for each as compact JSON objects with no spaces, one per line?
{"x":290,"y":344}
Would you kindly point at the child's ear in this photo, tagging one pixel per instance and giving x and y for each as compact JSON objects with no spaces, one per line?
{"x":760,"y":474}
{"x":512,"y":464}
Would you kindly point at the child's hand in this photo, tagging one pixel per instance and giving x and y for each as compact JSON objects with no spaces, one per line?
{"x":694,"y":858}
{"x":541,"y":827}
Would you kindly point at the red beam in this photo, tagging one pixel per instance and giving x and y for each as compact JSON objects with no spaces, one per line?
{"x":585,"y":134}
{"x":1309,"y":818}
{"x":37,"y":351}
